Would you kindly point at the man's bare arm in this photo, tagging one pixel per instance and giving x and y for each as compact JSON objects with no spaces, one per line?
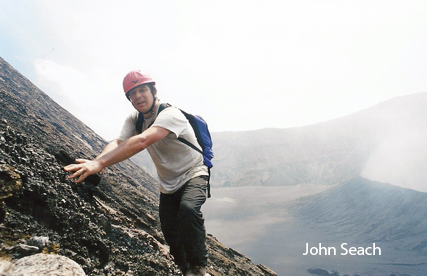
{"x":110,"y":147}
{"x":115,"y":153}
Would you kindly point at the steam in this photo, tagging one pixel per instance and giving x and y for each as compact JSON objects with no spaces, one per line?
{"x":401,"y":158}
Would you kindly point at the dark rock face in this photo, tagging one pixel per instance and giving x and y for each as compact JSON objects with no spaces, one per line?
{"x":10,"y":182}
{"x":102,"y":234}
{"x":107,"y":224}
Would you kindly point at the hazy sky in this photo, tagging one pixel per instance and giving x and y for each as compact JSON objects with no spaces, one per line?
{"x":242,"y":65}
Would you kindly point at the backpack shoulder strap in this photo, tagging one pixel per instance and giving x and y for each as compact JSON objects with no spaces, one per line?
{"x":139,"y":123}
{"x":189,"y":144}
{"x":163,"y":106}
{"x":193,"y":124}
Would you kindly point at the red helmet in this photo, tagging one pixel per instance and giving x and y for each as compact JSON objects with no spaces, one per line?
{"x":136,"y":78}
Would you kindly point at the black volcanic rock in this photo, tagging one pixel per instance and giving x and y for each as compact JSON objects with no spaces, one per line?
{"x":107,"y":224}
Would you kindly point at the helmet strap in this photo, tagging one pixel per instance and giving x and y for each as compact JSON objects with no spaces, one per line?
{"x":152,"y":106}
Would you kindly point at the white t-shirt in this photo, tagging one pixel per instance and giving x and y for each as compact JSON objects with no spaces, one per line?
{"x":176,"y":162}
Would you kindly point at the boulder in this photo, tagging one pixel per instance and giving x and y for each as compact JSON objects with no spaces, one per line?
{"x":41,"y":264}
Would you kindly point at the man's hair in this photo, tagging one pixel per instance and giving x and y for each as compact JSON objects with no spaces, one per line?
{"x":151,"y":85}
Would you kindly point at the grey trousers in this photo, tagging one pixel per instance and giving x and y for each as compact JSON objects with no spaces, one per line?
{"x":183,"y":223}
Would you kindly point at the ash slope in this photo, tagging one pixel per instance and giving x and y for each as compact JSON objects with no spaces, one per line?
{"x":363,"y":212}
{"x":109,"y":223}
{"x":370,"y":210}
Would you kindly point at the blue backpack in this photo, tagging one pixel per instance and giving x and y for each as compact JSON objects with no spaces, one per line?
{"x":203,"y":136}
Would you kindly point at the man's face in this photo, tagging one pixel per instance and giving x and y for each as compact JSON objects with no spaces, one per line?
{"x":141,"y":98}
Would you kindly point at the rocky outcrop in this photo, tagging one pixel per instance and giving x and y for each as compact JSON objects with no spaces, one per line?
{"x":10,"y":182}
{"x":108,"y":224}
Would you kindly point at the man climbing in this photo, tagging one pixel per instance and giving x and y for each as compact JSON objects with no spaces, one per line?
{"x":181,"y":170}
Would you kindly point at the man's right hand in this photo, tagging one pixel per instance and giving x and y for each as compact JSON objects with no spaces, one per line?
{"x":83,"y":169}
